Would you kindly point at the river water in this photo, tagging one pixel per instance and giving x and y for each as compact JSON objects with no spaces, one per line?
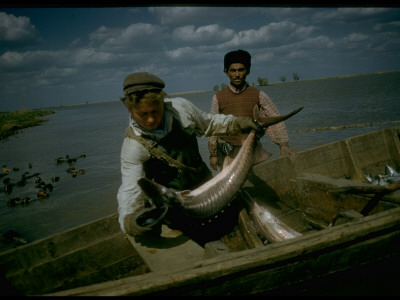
{"x":93,"y":135}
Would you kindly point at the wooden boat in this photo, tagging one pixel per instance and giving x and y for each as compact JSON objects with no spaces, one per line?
{"x":310,"y":193}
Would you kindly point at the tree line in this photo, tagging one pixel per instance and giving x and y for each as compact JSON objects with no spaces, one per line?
{"x":261,"y":81}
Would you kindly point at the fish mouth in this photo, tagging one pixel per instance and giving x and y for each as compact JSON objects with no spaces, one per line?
{"x":151,"y":216}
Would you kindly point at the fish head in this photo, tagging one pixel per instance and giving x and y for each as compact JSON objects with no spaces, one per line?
{"x":391,"y":171}
{"x":158,"y":194}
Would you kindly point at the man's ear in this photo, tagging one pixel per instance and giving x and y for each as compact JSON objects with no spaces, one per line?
{"x":127,"y":104}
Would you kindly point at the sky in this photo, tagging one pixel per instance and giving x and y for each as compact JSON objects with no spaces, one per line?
{"x":53,"y":56}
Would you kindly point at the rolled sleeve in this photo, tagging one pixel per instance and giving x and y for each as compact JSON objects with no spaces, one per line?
{"x":212,"y":140}
{"x":277,"y":132}
{"x":204,"y":124}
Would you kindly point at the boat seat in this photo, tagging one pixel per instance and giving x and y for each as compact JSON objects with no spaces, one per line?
{"x":329,"y":182}
{"x":160,"y":253}
{"x":312,"y":188}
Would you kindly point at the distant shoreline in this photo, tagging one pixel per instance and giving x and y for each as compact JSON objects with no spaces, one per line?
{"x":312,"y":79}
{"x":202,"y":91}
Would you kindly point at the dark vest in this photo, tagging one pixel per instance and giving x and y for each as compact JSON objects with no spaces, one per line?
{"x":238,"y":105}
{"x":184,"y":148}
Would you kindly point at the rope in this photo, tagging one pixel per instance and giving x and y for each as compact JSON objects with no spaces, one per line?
{"x":346,"y":126}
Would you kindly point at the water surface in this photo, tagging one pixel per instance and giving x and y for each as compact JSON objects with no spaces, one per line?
{"x":97,"y":131}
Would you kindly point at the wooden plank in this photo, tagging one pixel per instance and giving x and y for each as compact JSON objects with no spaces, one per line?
{"x":48,"y":249}
{"x":259,"y":269}
{"x":214,"y":248}
{"x":248,"y":231}
{"x":110,"y":259}
{"x":170,"y":252}
{"x":392,"y":137}
{"x":234,"y":240}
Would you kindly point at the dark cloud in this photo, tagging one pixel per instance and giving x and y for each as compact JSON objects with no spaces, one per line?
{"x":17,"y":32}
{"x":71,"y":54}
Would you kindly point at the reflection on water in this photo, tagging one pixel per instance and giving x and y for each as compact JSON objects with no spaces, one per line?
{"x":97,"y":131}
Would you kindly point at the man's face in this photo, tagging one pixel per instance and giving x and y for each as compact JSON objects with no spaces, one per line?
{"x":148,"y":114}
{"x":237,"y":75}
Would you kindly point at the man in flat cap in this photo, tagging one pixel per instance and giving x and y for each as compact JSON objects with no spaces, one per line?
{"x":239,"y":99}
{"x":161,"y":145}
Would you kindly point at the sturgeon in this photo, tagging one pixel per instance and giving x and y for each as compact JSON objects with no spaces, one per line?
{"x":210,"y":198}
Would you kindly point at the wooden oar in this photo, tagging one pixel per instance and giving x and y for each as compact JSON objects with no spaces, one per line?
{"x":367,"y":189}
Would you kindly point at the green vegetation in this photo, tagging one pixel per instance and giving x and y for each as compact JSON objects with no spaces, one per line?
{"x":217,"y":88}
{"x":11,"y":122}
{"x":296,"y":78}
{"x":262,"y":81}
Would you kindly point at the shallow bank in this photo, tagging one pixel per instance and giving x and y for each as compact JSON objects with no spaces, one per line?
{"x":11,"y":122}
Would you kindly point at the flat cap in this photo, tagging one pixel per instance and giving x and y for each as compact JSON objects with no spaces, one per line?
{"x":141,"y":81}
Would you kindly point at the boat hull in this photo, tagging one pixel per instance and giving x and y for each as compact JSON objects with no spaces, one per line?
{"x":303,"y":191}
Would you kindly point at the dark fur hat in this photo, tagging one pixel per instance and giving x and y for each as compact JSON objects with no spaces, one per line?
{"x":237,"y":57}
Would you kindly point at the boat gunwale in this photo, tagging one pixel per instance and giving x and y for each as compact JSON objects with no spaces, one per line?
{"x":227,"y":264}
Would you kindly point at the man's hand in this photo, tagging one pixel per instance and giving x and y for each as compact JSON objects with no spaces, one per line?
{"x":286,"y":149}
{"x":213,"y":162}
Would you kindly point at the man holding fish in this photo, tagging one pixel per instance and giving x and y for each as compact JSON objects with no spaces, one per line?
{"x":160,"y":153}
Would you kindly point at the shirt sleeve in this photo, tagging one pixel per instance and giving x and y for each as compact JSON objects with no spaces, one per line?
{"x":212,"y":140}
{"x":133,"y":155}
{"x":206,"y":124}
{"x":277,"y":132}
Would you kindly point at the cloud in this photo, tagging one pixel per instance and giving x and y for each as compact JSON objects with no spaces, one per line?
{"x":17,"y":31}
{"x":89,"y":56}
{"x":209,"y":34}
{"x":361,"y":11}
{"x":355,"y":37}
{"x":171,"y":15}
{"x":40,"y":60}
{"x":318,"y":42}
{"x":134,"y":37}
{"x":12,"y":60}
{"x":176,"y":15}
{"x":389,"y":25}
{"x":181,"y":52}
{"x":262,"y":57}
{"x":54,"y":76}
{"x":185,"y":46}
{"x":348,"y":14}
{"x":273,"y":34}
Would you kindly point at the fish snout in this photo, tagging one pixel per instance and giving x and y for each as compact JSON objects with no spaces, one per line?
{"x":269,"y":121}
